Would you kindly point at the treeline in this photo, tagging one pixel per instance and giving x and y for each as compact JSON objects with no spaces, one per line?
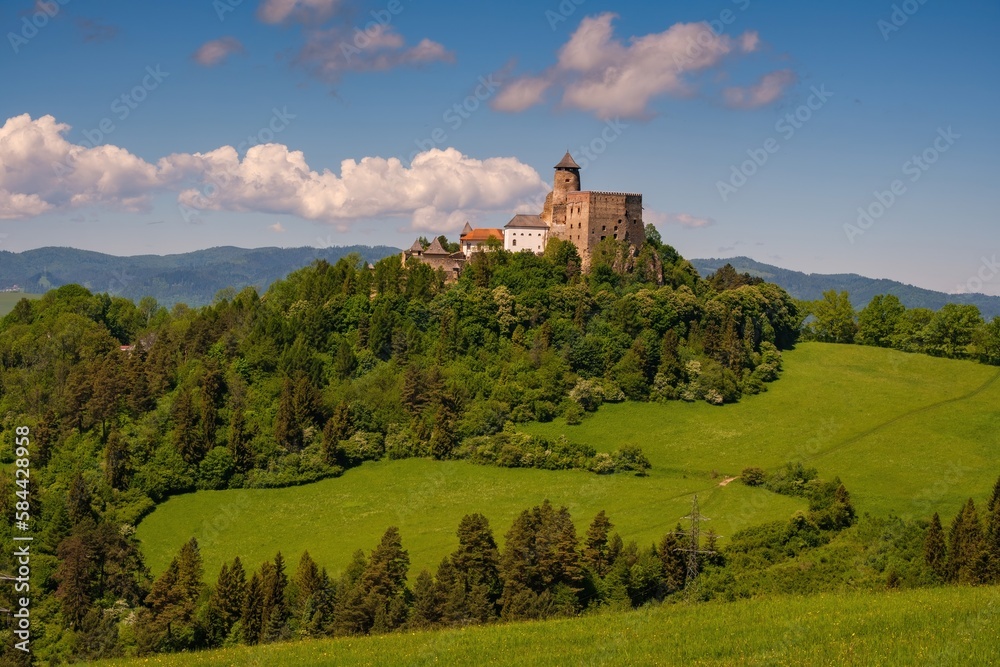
{"x":956,"y":331}
{"x":544,"y":570}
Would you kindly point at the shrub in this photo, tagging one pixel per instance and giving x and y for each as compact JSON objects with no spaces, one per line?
{"x":753,"y":476}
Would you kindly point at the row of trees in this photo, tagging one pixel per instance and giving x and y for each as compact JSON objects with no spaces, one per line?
{"x":955,"y":331}
{"x":544,"y":570}
{"x":970,"y":553}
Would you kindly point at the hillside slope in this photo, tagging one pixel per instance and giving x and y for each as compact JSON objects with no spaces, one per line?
{"x":192,"y":278}
{"x":945,"y":626}
{"x":810,"y":286}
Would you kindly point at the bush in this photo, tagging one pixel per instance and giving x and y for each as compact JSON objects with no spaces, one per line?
{"x":753,"y":476}
{"x":574,"y":414}
{"x":631,"y":459}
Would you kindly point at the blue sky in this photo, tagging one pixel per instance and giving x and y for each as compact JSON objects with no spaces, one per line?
{"x":674,"y":100}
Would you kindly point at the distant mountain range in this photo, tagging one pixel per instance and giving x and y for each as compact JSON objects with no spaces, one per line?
{"x":193,"y":278}
{"x":196,"y":277}
{"x":810,"y":286}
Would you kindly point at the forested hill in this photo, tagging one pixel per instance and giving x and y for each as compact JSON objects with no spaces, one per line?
{"x":193,"y":278}
{"x":810,"y":286}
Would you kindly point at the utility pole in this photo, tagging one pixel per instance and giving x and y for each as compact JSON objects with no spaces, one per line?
{"x":693,"y":550}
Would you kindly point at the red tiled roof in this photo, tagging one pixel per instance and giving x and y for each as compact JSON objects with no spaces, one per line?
{"x":483,"y":234}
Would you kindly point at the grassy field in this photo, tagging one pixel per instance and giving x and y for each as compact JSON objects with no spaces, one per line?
{"x":951,"y":626}
{"x":9,"y":299}
{"x":906,"y":433}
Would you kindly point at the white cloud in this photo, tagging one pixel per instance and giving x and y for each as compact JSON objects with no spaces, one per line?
{"x":304,"y":11}
{"x":768,"y":89}
{"x":277,"y":227}
{"x":329,"y":53}
{"x":40,"y":172}
{"x":215,"y":51}
{"x":683,"y":219}
{"x":608,"y":77}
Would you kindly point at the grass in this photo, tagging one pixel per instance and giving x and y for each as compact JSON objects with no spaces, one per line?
{"x":945,"y":626}
{"x":9,"y":299}
{"x":906,"y":433}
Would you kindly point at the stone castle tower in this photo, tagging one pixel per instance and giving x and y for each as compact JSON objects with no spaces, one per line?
{"x":586,"y":218}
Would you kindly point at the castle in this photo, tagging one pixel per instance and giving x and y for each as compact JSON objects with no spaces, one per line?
{"x":582,"y":217}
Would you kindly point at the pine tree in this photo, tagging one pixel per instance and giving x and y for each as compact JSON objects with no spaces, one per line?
{"x":476,"y":565}
{"x":239,"y":439}
{"x":337,"y":428}
{"x":383,"y":581}
{"x":80,"y":501}
{"x":595,"y":545}
{"x":116,"y":461}
{"x":187,"y":438}
{"x":287,"y":431}
{"x":75,"y":574}
{"x":275,"y":608}
{"x":252,"y":613}
{"x":674,"y":561}
{"x":935,"y":553}
{"x":965,"y":546}
{"x":426,"y":611}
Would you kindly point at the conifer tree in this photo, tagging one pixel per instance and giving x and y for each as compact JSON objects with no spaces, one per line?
{"x":935,"y":552}
{"x":275,"y":608}
{"x":965,"y":546}
{"x":252,"y":614}
{"x":595,"y":545}
{"x":426,"y":610}
{"x":116,"y":461}
{"x":383,"y":583}
{"x":674,"y":563}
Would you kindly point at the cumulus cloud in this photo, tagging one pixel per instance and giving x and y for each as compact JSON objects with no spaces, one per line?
{"x":40,"y":171}
{"x":277,"y":227}
{"x":303,"y":11}
{"x":330,"y":53}
{"x":215,"y":51}
{"x":600,"y":73}
{"x":768,"y":89}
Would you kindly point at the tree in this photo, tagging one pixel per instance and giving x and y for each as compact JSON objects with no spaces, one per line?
{"x":382,"y":586}
{"x":187,"y":437}
{"x":935,"y":552}
{"x":476,"y":567}
{"x":540,"y":556}
{"x":674,"y":560}
{"x":116,"y":461}
{"x":595,"y":545}
{"x":965,"y":546}
{"x":950,"y":333}
{"x":878,"y":321}
{"x":76,"y":576}
{"x":252,"y":613}
{"x":834,"y":315}
{"x":274,"y":609}
{"x":428,"y":603}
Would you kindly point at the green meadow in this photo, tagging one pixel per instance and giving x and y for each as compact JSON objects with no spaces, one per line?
{"x":9,"y":299}
{"x":944,"y":626}
{"x":908,"y":434}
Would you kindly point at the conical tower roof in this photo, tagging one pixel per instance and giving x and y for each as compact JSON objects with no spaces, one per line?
{"x":467,"y":229}
{"x":567,"y":162}
{"x":436,"y":248}
{"x":416,"y":247}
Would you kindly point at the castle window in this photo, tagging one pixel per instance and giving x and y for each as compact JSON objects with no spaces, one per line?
{"x":603,"y":227}
{"x":619,"y":221}
{"x":513,"y":242}
{"x":603,"y":237}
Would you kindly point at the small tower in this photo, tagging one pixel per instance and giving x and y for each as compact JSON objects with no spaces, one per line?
{"x":567,"y":177}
